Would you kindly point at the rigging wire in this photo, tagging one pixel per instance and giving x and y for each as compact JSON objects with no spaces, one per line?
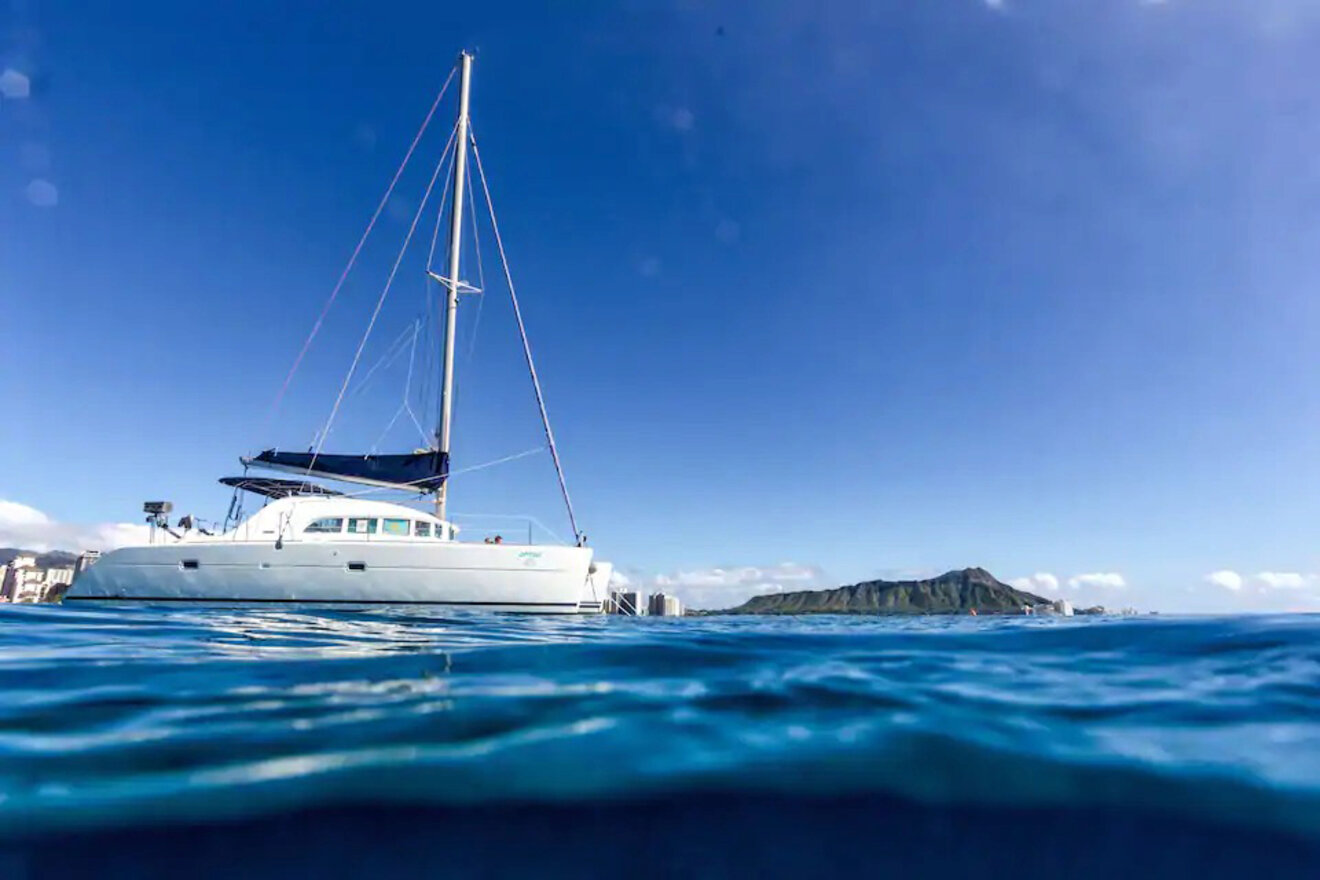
{"x":426,"y":358}
{"x":471,"y":335}
{"x":407,"y":385}
{"x":325,"y":310}
{"x":439,"y":216}
{"x":527,"y":348}
{"x":387,"y":360}
{"x":401,"y":342}
{"x":381,"y":301}
{"x":433,"y":317}
{"x":438,"y":315}
{"x":405,"y":406}
{"x":481,"y":273}
{"x":398,"y":412}
{"x":467,"y":470}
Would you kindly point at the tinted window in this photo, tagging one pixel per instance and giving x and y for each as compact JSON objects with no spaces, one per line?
{"x":422,"y":529}
{"x":396,"y":526}
{"x":326,"y":524}
{"x":362,"y":526}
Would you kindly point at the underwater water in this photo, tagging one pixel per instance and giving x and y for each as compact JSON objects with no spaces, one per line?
{"x":152,"y":741}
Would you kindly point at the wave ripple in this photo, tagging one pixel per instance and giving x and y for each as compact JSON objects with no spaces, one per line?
{"x":139,"y":739}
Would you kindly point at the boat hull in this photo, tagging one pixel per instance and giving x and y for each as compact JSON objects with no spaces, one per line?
{"x":496,"y":577}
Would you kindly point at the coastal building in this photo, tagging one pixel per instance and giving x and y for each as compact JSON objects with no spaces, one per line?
{"x":15,"y":574}
{"x":1059,"y":607}
{"x":23,"y":581}
{"x":662,"y":605}
{"x":627,"y":602}
{"x":58,"y":581}
{"x":86,"y":560}
{"x":62,"y":576}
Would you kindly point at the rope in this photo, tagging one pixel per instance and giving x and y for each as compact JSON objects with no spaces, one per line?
{"x":381,"y":302}
{"x":527,"y":348}
{"x":325,"y":310}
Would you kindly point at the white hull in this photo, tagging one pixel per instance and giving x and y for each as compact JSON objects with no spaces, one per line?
{"x":496,"y":577}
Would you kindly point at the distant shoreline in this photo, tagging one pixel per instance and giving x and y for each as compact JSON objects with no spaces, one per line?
{"x":969,"y":591}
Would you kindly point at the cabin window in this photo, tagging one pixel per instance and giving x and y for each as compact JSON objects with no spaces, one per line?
{"x":362,"y":526}
{"x":422,"y":529}
{"x":326,"y":524}
{"x":397,"y":527}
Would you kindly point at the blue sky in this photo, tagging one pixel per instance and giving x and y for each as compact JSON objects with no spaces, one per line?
{"x":817,"y":294}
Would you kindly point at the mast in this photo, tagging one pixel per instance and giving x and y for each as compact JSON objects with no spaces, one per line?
{"x":452,"y":281}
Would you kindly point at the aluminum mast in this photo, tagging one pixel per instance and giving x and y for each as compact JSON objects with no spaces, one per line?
{"x":452,"y":281}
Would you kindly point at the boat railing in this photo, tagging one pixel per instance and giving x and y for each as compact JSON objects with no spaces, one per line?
{"x":513,"y":528}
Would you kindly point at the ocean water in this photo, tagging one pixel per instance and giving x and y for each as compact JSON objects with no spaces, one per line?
{"x":287,"y":742}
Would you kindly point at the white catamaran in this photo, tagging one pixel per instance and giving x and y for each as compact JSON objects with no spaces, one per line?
{"x":313,"y":544}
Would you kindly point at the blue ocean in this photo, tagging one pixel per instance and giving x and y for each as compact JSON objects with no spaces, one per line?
{"x":286,"y":742}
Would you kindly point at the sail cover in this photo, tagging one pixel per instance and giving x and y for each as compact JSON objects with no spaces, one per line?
{"x":423,"y":471}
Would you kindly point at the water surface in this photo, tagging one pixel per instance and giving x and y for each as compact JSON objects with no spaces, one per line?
{"x":158,"y":741}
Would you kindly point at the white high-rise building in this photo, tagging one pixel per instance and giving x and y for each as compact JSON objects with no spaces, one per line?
{"x":86,"y":560}
{"x":662,"y":605}
{"x":62,"y":576}
{"x":58,"y":581}
{"x":23,"y":581}
{"x":16,"y":575}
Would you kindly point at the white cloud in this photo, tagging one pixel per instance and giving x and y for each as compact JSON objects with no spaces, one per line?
{"x":1105,"y":580}
{"x":997,"y":5}
{"x":1040,"y":582}
{"x":1228,"y":580}
{"x":724,"y":587}
{"x":1266,"y":591}
{"x":42,"y":193}
{"x":27,"y":528}
{"x":14,"y":85}
{"x":679,"y":119}
{"x":1282,"y":580}
{"x":20,"y":515}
